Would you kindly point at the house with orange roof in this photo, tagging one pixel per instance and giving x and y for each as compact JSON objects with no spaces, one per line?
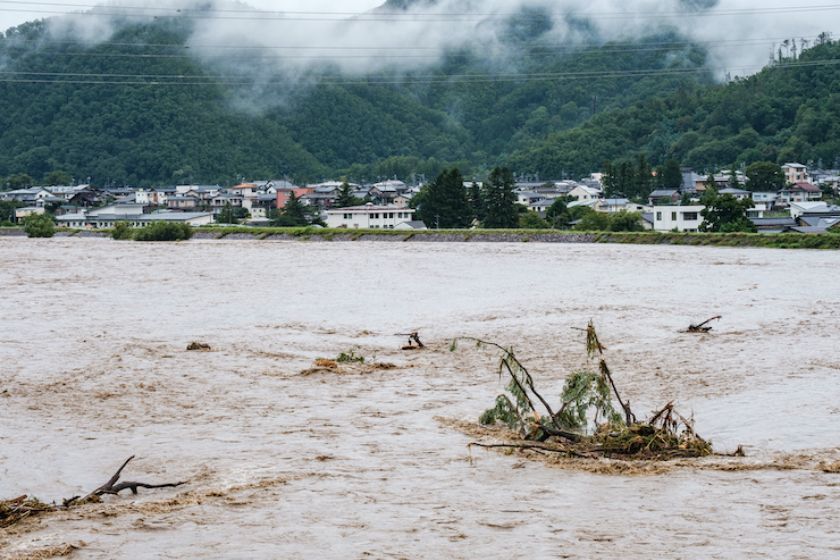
{"x":283,"y":195}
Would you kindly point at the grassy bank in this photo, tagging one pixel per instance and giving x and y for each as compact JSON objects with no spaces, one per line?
{"x":779,"y":241}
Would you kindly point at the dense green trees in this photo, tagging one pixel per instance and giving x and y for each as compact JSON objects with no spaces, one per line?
{"x":136,"y":133}
{"x":531,"y":220}
{"x":557,"y":215}
{"x":7,"y":211}
{"x":444,"y":203}
{"x":591,"y":220}
{"x":57,"y":177}
{"x":230,"y":215}
{"x":499,"y":200}
{"x":765,"y":176}
{"x":293,"y":214}
{"x":346,"y":198}
{"x":788,"y":113}
{"x":152,"y":133}
{"x":725,"y":213}
{"x":39,"y":225}
{"x":18,"y":181}
{"x":633,"y":179}
{"x":475,"y":202}
{"x":670,"y":175}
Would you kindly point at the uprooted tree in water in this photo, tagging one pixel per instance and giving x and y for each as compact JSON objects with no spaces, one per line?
{"x":17,"y":509}
{"x":586,"y":423}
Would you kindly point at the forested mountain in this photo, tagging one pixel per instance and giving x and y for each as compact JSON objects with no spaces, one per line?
{"x":138,"y":108}
{"x":787,"y":112}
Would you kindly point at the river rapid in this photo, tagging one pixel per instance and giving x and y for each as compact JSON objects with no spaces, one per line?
{"x":369,"y":463}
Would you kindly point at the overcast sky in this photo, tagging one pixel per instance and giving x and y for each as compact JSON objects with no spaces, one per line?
{"x":9,"y":19}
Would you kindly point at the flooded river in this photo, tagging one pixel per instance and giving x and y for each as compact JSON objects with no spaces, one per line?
{"x":367,"y":464}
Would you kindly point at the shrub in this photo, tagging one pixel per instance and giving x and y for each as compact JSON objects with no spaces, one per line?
{"x":39,"y":225}
{"x":164,"y":231}
{"x":122,"y":231}
{"x":348,"y":358}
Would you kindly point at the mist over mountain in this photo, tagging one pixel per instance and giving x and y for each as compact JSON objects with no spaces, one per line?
{"x":132,"y":97}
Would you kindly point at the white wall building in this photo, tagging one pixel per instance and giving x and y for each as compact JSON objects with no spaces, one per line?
{"x":795,"y":173}
{"x":680,"y":218}
{"x":368,"y":217}
{"x":583,"y":193}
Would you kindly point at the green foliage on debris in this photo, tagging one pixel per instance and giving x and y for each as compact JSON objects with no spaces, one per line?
{"x":588,"y":423}
{"x":350,"y":358}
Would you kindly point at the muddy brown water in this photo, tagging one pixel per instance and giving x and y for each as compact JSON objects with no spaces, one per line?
{"x":93,"y":368}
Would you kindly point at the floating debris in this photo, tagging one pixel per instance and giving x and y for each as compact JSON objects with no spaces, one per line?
{"x":586,"y":424}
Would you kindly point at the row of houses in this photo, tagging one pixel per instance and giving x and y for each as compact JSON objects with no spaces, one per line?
{"x":385,"y":205}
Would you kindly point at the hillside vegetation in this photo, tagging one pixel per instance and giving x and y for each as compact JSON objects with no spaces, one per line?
{"x":140,"y":128}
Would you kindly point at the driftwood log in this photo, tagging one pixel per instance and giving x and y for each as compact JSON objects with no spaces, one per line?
{"x":17,"y":509}
{"x":703,"y":327}
{"x":114,"y":487}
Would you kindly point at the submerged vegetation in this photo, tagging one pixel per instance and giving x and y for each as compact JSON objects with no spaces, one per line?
{"x":164,"y":231}
{"x":39,"y":225}
{"x":587,"y":422}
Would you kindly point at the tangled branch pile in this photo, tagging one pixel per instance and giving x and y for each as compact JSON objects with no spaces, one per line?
{"x":587,"y":423}
{"x":17,"y":509}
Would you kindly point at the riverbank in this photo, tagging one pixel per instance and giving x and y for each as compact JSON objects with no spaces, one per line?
{"x":775,"y":240}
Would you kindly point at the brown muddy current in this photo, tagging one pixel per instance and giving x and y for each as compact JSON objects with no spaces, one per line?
{"x":371,"y":463}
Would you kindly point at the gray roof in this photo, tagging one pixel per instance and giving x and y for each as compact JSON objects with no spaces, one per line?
{"x":772,"y":222}
{"x":733,"y":191}
{"x":663,"y":193}
{"x":153,"y":217}
{"x":808,"y":229}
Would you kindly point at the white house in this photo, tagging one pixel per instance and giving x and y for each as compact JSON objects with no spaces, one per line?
{"x":35,"y":196}
{"x":611,"y":205}
{"x":67,"y":191}
{"x":583,"y":193}
{"x":529,"y":198}
{"x":739,"y":194}
{"x":680,"y":218}
{"x":368,"y":217}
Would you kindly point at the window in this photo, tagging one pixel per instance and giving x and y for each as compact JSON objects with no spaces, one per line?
{"x":673,"y":216}
{"x":659,"y":216}
{"x":391,"y":215}
{"x":690,"y":216}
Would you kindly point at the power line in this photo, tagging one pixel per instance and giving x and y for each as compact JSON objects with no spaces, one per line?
{"x":576,"y":46}
{"x":382,"y":54}
{"x":328,"y":57}
{"x":196,"y":80}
